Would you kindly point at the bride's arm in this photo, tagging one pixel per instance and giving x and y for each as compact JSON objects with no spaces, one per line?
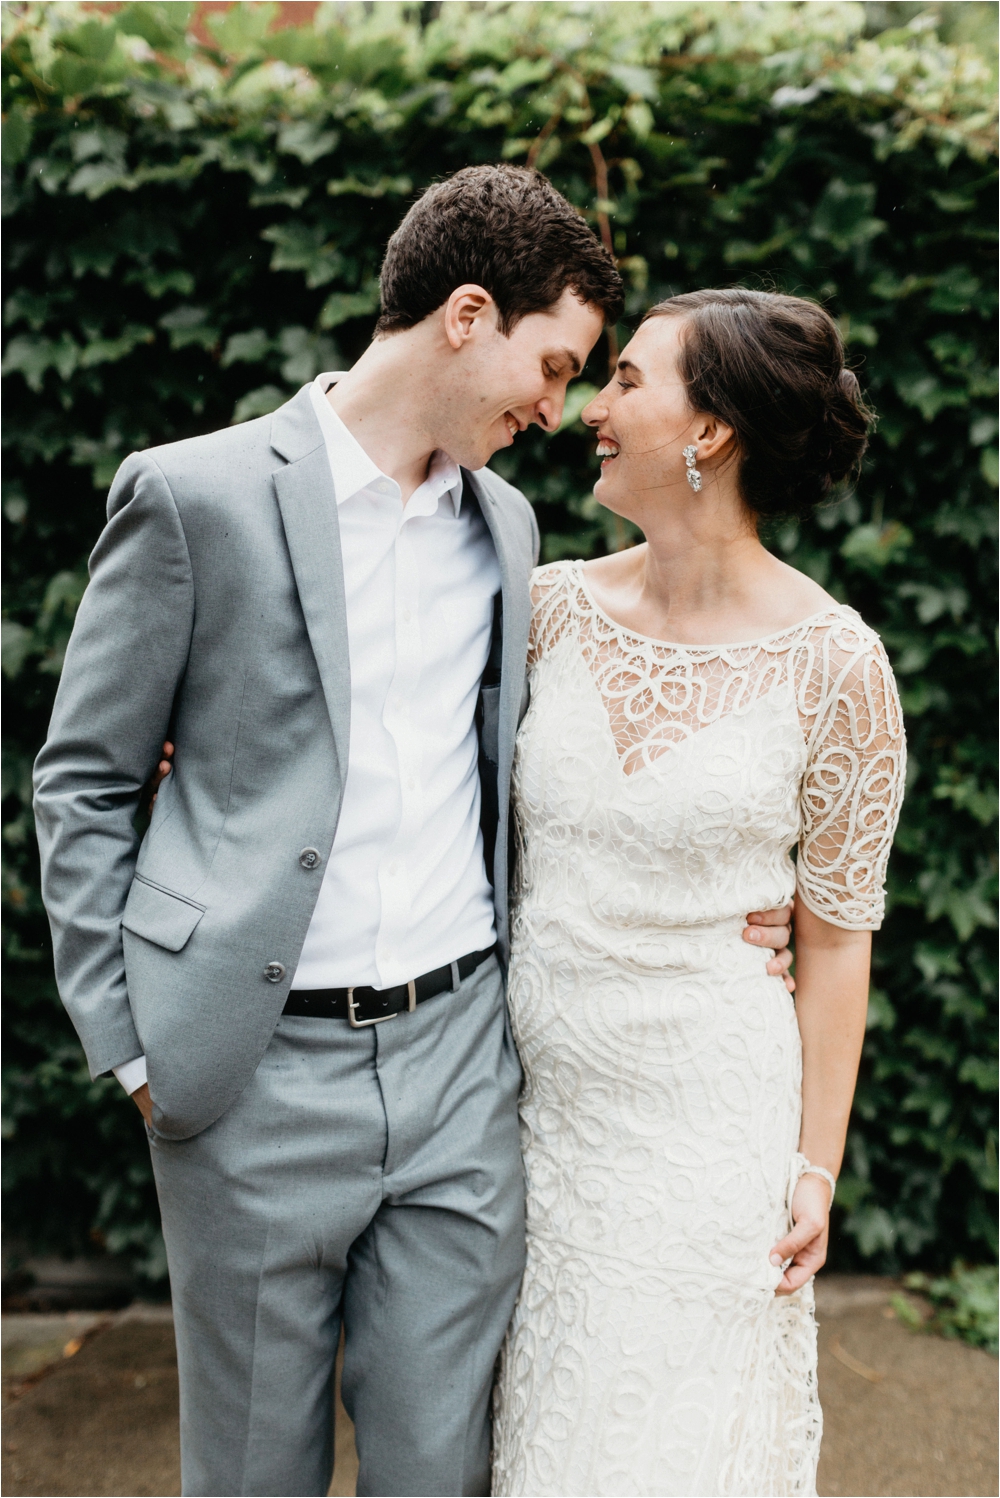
{"x":850,"y":800}
{"x":159,"y":775}
{"x":831,"y":1002}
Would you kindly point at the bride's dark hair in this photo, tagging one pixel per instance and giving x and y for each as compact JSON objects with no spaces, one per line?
{"x":772,"y":367}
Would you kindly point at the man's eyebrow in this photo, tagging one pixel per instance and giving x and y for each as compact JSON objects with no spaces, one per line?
{"x":571,"y":359}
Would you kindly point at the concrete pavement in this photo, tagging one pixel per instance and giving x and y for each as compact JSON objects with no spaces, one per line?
{"x":92,"y":1405}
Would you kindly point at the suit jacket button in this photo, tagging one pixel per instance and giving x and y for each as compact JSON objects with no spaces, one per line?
{"x":309,"y":858}
{"x":274,"y":972}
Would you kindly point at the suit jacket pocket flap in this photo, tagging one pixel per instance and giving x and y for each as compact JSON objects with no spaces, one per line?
{"x":160,"y":916}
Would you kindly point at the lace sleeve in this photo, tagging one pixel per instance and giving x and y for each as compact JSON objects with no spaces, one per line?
{"x":853,"y":786}
{"x":549,"y":607}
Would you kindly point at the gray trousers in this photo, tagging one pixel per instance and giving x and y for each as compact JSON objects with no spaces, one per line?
{"x":365,"y":1177}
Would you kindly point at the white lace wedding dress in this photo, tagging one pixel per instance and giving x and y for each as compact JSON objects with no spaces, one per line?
{"x":659,"y":789}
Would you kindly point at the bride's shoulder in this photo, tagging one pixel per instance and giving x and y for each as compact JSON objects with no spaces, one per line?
{"x":552,"y":588}
{"x":835,"y":631}
{"x":849,"y":664}
{"x":551,"y":575}
{"x":843,"y":632}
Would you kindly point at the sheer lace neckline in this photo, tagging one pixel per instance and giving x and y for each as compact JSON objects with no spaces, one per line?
{"x":577,"y":571}
{"x":658,"y":693}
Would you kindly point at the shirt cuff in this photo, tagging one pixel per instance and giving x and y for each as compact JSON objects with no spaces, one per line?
{"x":131,"y":1074}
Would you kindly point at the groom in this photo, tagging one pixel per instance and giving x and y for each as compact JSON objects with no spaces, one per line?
{"x":298,"y":973}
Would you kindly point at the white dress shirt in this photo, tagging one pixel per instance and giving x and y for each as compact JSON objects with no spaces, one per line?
{"x":405,"y":889}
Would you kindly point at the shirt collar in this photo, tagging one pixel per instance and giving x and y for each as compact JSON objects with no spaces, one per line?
{"x":354,"y":470}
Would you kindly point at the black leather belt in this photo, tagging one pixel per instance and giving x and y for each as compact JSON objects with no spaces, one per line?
{"x":370,"y":1006}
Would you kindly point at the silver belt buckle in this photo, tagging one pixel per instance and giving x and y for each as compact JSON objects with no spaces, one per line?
{"x":380,"y":1019}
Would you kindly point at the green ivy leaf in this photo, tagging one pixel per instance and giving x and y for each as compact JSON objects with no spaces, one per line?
{"x":955,"y":291}
{"x":341,"y":306}
{"x":189,"y":325}
{"x":307,"y":140}
{"x":32,"y":357}
{"x":15,"y":141}
{"x":844,"y":217}
{"x":16,"y":644}
{"x":304,"y":247}
{"x":876,"y":546}
{"x":259,"y":402}
{"x":247,"y":348}
{"x":393,"y":186}
{"x":110,"y":350}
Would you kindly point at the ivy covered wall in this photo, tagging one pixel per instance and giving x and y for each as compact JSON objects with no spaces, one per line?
{"x":194,"y":224}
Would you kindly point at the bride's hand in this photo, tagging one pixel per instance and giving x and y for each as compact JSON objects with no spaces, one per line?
{"x":158,"y":776}
{"x":806,"y":1244}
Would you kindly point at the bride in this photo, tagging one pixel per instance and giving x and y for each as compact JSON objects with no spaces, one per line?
{"x":698,"y":709}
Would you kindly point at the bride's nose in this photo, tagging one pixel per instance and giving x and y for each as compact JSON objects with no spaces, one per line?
{"x":594,"y":411}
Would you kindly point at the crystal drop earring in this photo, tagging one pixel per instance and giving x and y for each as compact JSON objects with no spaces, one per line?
{"x":692,"y":475}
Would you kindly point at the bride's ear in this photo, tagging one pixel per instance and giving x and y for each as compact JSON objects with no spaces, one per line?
{"x":714,"y":438}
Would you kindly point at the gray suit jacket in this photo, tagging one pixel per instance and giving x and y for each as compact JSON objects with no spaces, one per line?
{"x":215,"y":616}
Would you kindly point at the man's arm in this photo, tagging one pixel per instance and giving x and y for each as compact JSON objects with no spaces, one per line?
{"x":773,"y":928}
{"x":125,"y":659}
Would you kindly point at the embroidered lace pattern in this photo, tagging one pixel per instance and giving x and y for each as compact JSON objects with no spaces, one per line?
{"x":835,"y":669}
{"x":659,"y":789}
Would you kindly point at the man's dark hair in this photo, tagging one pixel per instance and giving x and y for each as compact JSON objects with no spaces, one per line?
{"x":504,"y":228}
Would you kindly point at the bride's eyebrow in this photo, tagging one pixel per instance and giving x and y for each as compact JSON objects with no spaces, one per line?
{"x":626,"y":366}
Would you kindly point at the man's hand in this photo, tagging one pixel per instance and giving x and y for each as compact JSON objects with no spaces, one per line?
{"x":773,"y":928}
{"x":143,"y":1102}
{"x":159,"y":774}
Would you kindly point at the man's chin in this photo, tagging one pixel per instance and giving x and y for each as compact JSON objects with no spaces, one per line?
{"x":474,"y":460}
{"x":490,"y":444}
{"x":500,"y":438}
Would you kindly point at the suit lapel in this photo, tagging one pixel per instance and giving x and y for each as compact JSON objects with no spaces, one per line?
{"x":514,"y":555}
{"x":308,"y":507}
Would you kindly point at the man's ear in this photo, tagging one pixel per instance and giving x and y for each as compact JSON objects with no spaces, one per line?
{"x":714,"y":437}
{"x":467,"y":306}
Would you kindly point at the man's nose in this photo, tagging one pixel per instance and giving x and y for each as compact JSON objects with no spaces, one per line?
{"x":548,"y":412}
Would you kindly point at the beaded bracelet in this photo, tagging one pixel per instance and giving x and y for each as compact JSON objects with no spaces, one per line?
{"x":804,"y":1167}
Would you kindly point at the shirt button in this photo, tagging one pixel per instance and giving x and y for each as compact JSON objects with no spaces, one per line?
{"x":309,"y":858}
{"x":274,"y":972}
{"x":394,"y":869}
{"x":411,"y":784}
{"x":407,"y":616}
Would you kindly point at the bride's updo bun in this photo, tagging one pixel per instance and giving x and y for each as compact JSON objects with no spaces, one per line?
{"x":772,"y":367}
